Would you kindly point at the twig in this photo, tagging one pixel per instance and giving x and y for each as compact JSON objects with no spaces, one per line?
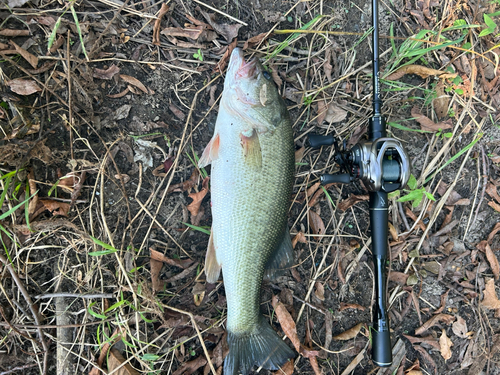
{"x":31,"y":305}
{"x":485,"y":182}
{"x":220,"y":12}
{"x":18,"y":368}
{"x":74,"y":295}
{"x":403,"y":216}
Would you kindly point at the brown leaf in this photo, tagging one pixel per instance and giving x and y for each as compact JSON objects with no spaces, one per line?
{"x":345,"y":306}
{"x":253,"y":41}
{"x":490,"y":299}
{"x":299,"y":237}
{"x":427,"y":124}
{"x":156,"y":267}
{"x":229,"y":32}
{"x":56,"y":207}
{"x":493,"y":260}
{"x":445,"y":344}
{"x":115,"y":360}
{"x":32,"y":59}
{"x":317,"y":225}
{"x":320,"y":291}
{"x":33,"y":190}
{"x":134,"y":82}
{"x":321,"y":110}
{"x":393,"y":232}
{"x":328,"y":329}
{"x":194,"y":206}
{"x":287,"y":323}
{"x":441,"y":101}
{"x":57,"y":44}
{"x":494,"y":205}
{"x":447,"y":319}
{"x":427,"y":357}
{"x":191,"y":32}
{"x":495,"y":230}
{"x":181,"y":263}
{"x":183,"y":274}
{"x":221,"y":65}
{"x":335,"y":114}
{"x":106,"y":73}
{"x":398,"y":277}
{"x":23,"y":86}
{"x":116,"y":336}
{"x":422,"y":71}
{"x":444,"y":297}
{"x":177,"y":112}
{"x":315,"y":366}
{"x":187,"y":368}
{"x":459,"y":328}
{"x":120,"y":94}
{"x":350,"y":333}
{"x":186,"y":185}
{"x":351,"y":201}
{"x":429,"y":340}
{"x":287,"y":369}
{"x":157,"y":26}
{"x":14,"y":33}
{"x":299,"y":154}
{"x":491,"y":190}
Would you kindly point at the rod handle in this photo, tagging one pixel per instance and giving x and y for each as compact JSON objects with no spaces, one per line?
{"x":381,"y":346}
{"x":316,"y":140}
{"x":342,"y":178}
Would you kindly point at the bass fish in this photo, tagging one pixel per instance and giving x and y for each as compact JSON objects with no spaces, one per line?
{"x":253,"y":163}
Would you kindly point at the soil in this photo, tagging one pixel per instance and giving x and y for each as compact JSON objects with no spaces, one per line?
{"x":119,"y":142}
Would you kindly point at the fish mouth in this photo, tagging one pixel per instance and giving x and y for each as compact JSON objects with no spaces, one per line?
{"x":240,"y":67}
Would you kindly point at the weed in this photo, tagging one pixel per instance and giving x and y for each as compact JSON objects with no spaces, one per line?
{"x":415,"y":195}
{"x":198,"y":55}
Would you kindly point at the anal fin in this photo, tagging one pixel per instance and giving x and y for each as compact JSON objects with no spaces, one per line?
{"x":212,"y":266}
{"x":211,"y":152}
{"x":282,"y":258}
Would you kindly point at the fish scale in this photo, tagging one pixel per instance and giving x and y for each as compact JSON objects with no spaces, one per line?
{"x":252,"y":157}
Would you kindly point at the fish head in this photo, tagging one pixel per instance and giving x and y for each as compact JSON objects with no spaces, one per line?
{"x":250,"y":93}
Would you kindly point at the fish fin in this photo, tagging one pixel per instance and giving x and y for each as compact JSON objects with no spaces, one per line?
{"x":211,"y":152}
{"x":282,"y":257}
{"x":262,"y":348}
{"x":212,"y":267}
{"x":252,"y":150}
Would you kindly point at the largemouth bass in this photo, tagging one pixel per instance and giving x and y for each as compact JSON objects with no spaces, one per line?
{"x":252,"y":157}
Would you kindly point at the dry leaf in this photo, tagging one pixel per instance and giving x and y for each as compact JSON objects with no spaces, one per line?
{"x":57,"y":44}
{"x":16,"y":3}
{"x":286,"y":369}
{"x":459,"y":328}
{"x":191,"y":32}
{"x":490,"y":299}
{"x":398,"y":277}
{"x":229,"y":32}
{"x":321,"y":110}
{"x":335,"y":114}
{"x":493,"y":260}
{"x":299,"y":154}
{"x":495,"y":230}
{"x":181,"y":263}
{"x":445,"y":344}
{"x":156,"y":28}
{"x":186,"y":185}
{"x":156,"y":267}
{"x":194,"y":206}
{"x":134,"y":82}
{"x":422,"y":71}
{"x":32,"y":59}
{"x":349,"y":334}
{"x":445,"y":318}
{"x":491,"y":190}
{"x":351,"y":201}
{"x":14,"y":33}
{"x":56,"y":207}
{"x":198,"y":292}
{"x":299,"y":237}
{"x":120,"y":94}
{"x":116,"y":336}
{"x":345,"y":306}
{"x":177,"y":112}
{"x":287,"y":323}
{"x":494,"y":205}
{"x":393,"y":232}
{"x":427,"y":124}
{"x":190,"y":367}
{"x":317,"y":225}
{"x":106,"y":73}
{"x":253,"y":41}
{"x":221,"y":65}
{"x":115,"y":360}
{"x":320,"y":291}
{"x":441,"y":101}
{"x":315,"y":366}
{"x":429,"y":340}
{"x":23,"y":86}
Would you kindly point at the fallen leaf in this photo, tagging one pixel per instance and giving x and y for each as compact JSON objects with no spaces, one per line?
{"x":349,"y":334}
{"x":32,"y":59}
{"x":315,"y":366}
{"x":57,"y":44}
{"x":14,"y":33}
{"x":106,"y":73}
{"x":156,"y":267}
{"x":491,"y":190}
{"x":445,"y":344}
{"x":183,"y":274}
{"x":191,"y":32}
{"x":429,"y":340}
{"x":186,"y":185}
{"x":56,"y":207}
{"x":335,"y":114}
{"x":427,"y":357}
{"x":286,"y":369}
{"x":134,"y":82}
{"x":441,"y":101}
{"x":321,"y":110}
{"x":122,"y":112}
{"x":320,"y":291}
{"x":181,"y":263}
{"x":115,"y":360}
{"x":493,"y":260}
{"x":494,"y":205}
{"x":187,"y":368}
{"x":224,"y":60}
{"x":351,"y":201}
{"x":328,"y":328}
{"x":317,"y":225}
{"x":198,"y":292}
{"x":490,"y":299}
{"x":492,"y":234}
{"x":23,"y":86}
{"x":194,"y":206}
{"x":177,"y":112}
{"x":444,"y":298}
{"x":445,"y":318}
{"x":156,"y":27}
{"x":253,"y":41}
{"x":422,"y":71}
{"x":287,"y":323}
{"x":115,"y":337}
{"x":393,"y":232}
{"x":299,"y":237}
{"x":120,"y":94}
{"x":299,"y":154}
{"x":229,"y":32}
{"x":345,"y":306}
{"x":398,"y":277}
{"x":427,"y":124}
{"x":459,"y":328}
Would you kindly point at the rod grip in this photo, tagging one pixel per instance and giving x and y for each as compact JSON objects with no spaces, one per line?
{"x":381,"y":347}
{"x":343,"y":178}
{"x":316,"y":140}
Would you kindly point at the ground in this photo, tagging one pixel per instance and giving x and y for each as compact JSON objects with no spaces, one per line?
{"x":101,"y":197}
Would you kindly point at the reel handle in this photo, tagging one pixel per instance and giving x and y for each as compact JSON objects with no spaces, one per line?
{"x":343,"y":178}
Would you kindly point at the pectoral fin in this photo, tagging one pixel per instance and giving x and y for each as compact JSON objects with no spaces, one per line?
{"x":251,"y":149}
{"x":211,"y":152}
{"x":282,"y":257}
{"x":212,"y":266}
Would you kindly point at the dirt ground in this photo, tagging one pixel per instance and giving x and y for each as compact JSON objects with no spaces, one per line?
{"x":102,"y":199}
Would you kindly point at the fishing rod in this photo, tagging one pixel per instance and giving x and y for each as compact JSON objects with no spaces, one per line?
{"x":383,"y":166}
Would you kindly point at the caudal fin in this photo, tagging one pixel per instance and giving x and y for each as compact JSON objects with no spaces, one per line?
{"x":262,"y":348}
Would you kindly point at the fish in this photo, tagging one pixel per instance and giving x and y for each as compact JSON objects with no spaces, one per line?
{"x":252,"y":170}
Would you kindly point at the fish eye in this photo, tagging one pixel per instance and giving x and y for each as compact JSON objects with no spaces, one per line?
{"x":266,"y":75}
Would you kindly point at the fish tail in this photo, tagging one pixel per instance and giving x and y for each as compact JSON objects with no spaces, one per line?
{"x":262,"y":348}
